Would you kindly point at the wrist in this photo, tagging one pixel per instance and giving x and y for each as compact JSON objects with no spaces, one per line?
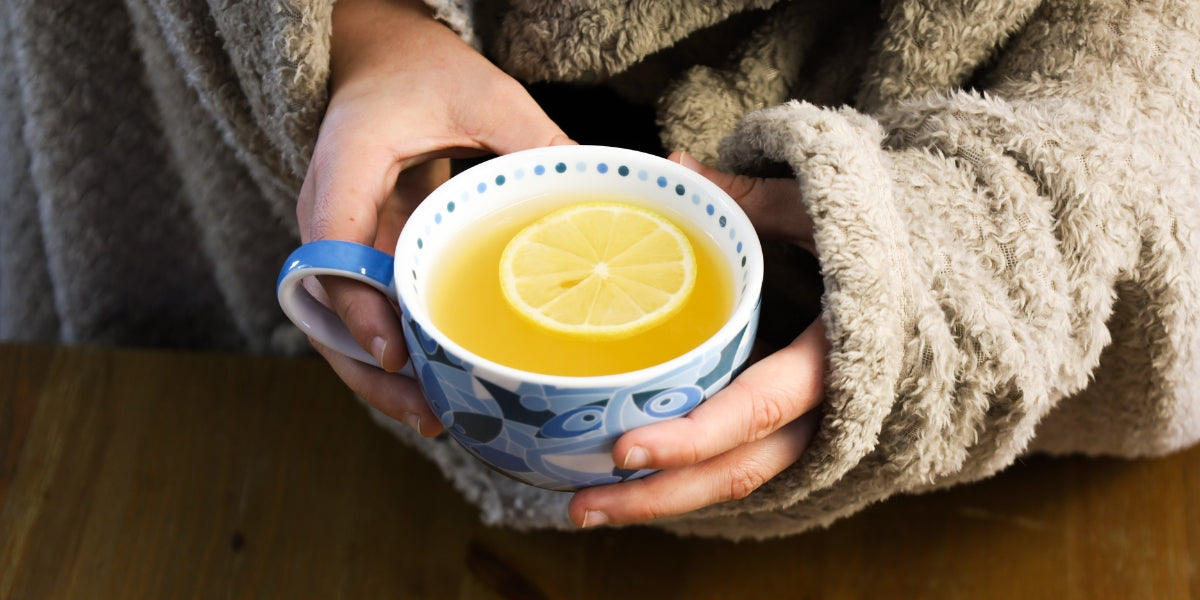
{"x":373,"y":36}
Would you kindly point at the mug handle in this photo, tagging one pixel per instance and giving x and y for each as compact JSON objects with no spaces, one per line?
{"x":343,"y":259}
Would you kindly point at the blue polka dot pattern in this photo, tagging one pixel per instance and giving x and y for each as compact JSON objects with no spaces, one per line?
{"x":657,"y":182}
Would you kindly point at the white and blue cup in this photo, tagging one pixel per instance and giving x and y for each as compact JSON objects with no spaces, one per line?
{"x":551,"y":431}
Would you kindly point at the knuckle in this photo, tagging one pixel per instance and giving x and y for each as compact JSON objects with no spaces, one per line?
{"x":654,"y":510}
{"x":741,"y":186}
{"x":742,"y":480}
{"x":693,"y":451}
{"x":334,"y":215}
{"x":768,"y":417}
{"x":536,"y":128}
{"x":506,"y":90}
{"x":766,"y":411}
{"x":655,"y":502}
{"x":509,"y":90}
{"x":744,"y":188}
{"x":645,"y":505}
{"x":321,"y":222}
{"x":324,"y":209}
{"x":500,"y":91}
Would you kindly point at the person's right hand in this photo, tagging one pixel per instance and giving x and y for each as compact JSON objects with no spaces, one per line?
{"x":405,"y":93}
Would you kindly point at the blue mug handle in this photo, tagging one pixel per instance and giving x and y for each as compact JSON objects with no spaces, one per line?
{"x":342,"y":259}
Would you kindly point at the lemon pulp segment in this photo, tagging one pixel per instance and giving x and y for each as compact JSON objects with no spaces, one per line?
{"x":600,"y":270}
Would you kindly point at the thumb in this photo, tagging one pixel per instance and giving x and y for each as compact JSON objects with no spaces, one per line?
{"x":519,"y":125}
{"x":773,"y":204}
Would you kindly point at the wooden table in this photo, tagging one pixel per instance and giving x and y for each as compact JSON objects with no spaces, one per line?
{"x":153,"y":474}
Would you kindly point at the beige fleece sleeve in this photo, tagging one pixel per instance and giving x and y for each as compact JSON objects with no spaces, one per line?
{"x":992,"y":268}
{"x":1006,"y":272}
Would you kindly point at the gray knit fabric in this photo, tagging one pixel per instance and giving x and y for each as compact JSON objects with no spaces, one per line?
{"x":160,"y":144}
{"x":1004,"y":200}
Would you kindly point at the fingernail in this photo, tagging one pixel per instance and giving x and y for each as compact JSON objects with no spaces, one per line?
{"x":413,"y":420}
{"x":378,"y":345}
{"x":689,"y":161}
{"x":636,"y":458}
{"x":593,"y":518}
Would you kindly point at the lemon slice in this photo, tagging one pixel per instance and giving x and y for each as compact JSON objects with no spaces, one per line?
{"x":599,"y":270}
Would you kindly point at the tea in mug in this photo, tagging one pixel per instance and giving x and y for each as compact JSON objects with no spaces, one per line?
{"x":467,"y":303}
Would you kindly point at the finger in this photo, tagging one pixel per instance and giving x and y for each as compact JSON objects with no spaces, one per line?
{"x":341,"y":199}
{"x":396,"y":396}
{"x":370,"y":318}
{"x":731,"y":476}
{"x":773,"y":205}
{"x":516,"y":122}
{"x":348,"y":188}
{"x":767,"y":396}
{"x":412,"y":186}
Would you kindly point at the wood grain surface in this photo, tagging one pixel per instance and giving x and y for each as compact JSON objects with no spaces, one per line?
{"x":155,"y":474}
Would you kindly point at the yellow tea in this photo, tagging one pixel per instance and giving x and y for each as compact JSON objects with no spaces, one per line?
{"x":466,"y":303}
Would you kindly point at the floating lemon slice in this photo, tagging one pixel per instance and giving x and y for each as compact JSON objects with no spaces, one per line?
{"x":598,"y":270}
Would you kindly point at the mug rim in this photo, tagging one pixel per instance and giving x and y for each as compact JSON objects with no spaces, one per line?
{"x":740,"y":317}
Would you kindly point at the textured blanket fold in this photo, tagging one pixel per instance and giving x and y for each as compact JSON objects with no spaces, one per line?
{"x":1004,"y":198}
{"x":165,"y":142}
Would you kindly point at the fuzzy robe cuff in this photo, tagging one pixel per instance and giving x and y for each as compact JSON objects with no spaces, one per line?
{"x":972,"y":269}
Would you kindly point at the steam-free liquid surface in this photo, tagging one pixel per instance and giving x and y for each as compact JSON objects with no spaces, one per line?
{"x":467,"y":305}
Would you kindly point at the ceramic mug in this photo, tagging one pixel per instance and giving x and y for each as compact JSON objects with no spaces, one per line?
{"x":555,"y":432}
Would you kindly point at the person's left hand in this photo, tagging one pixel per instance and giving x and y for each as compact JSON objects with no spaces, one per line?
{"x":745,"y":434}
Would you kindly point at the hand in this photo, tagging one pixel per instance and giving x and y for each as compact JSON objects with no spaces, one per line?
{"x":406,"y":93}
{"x":745,"y":434}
